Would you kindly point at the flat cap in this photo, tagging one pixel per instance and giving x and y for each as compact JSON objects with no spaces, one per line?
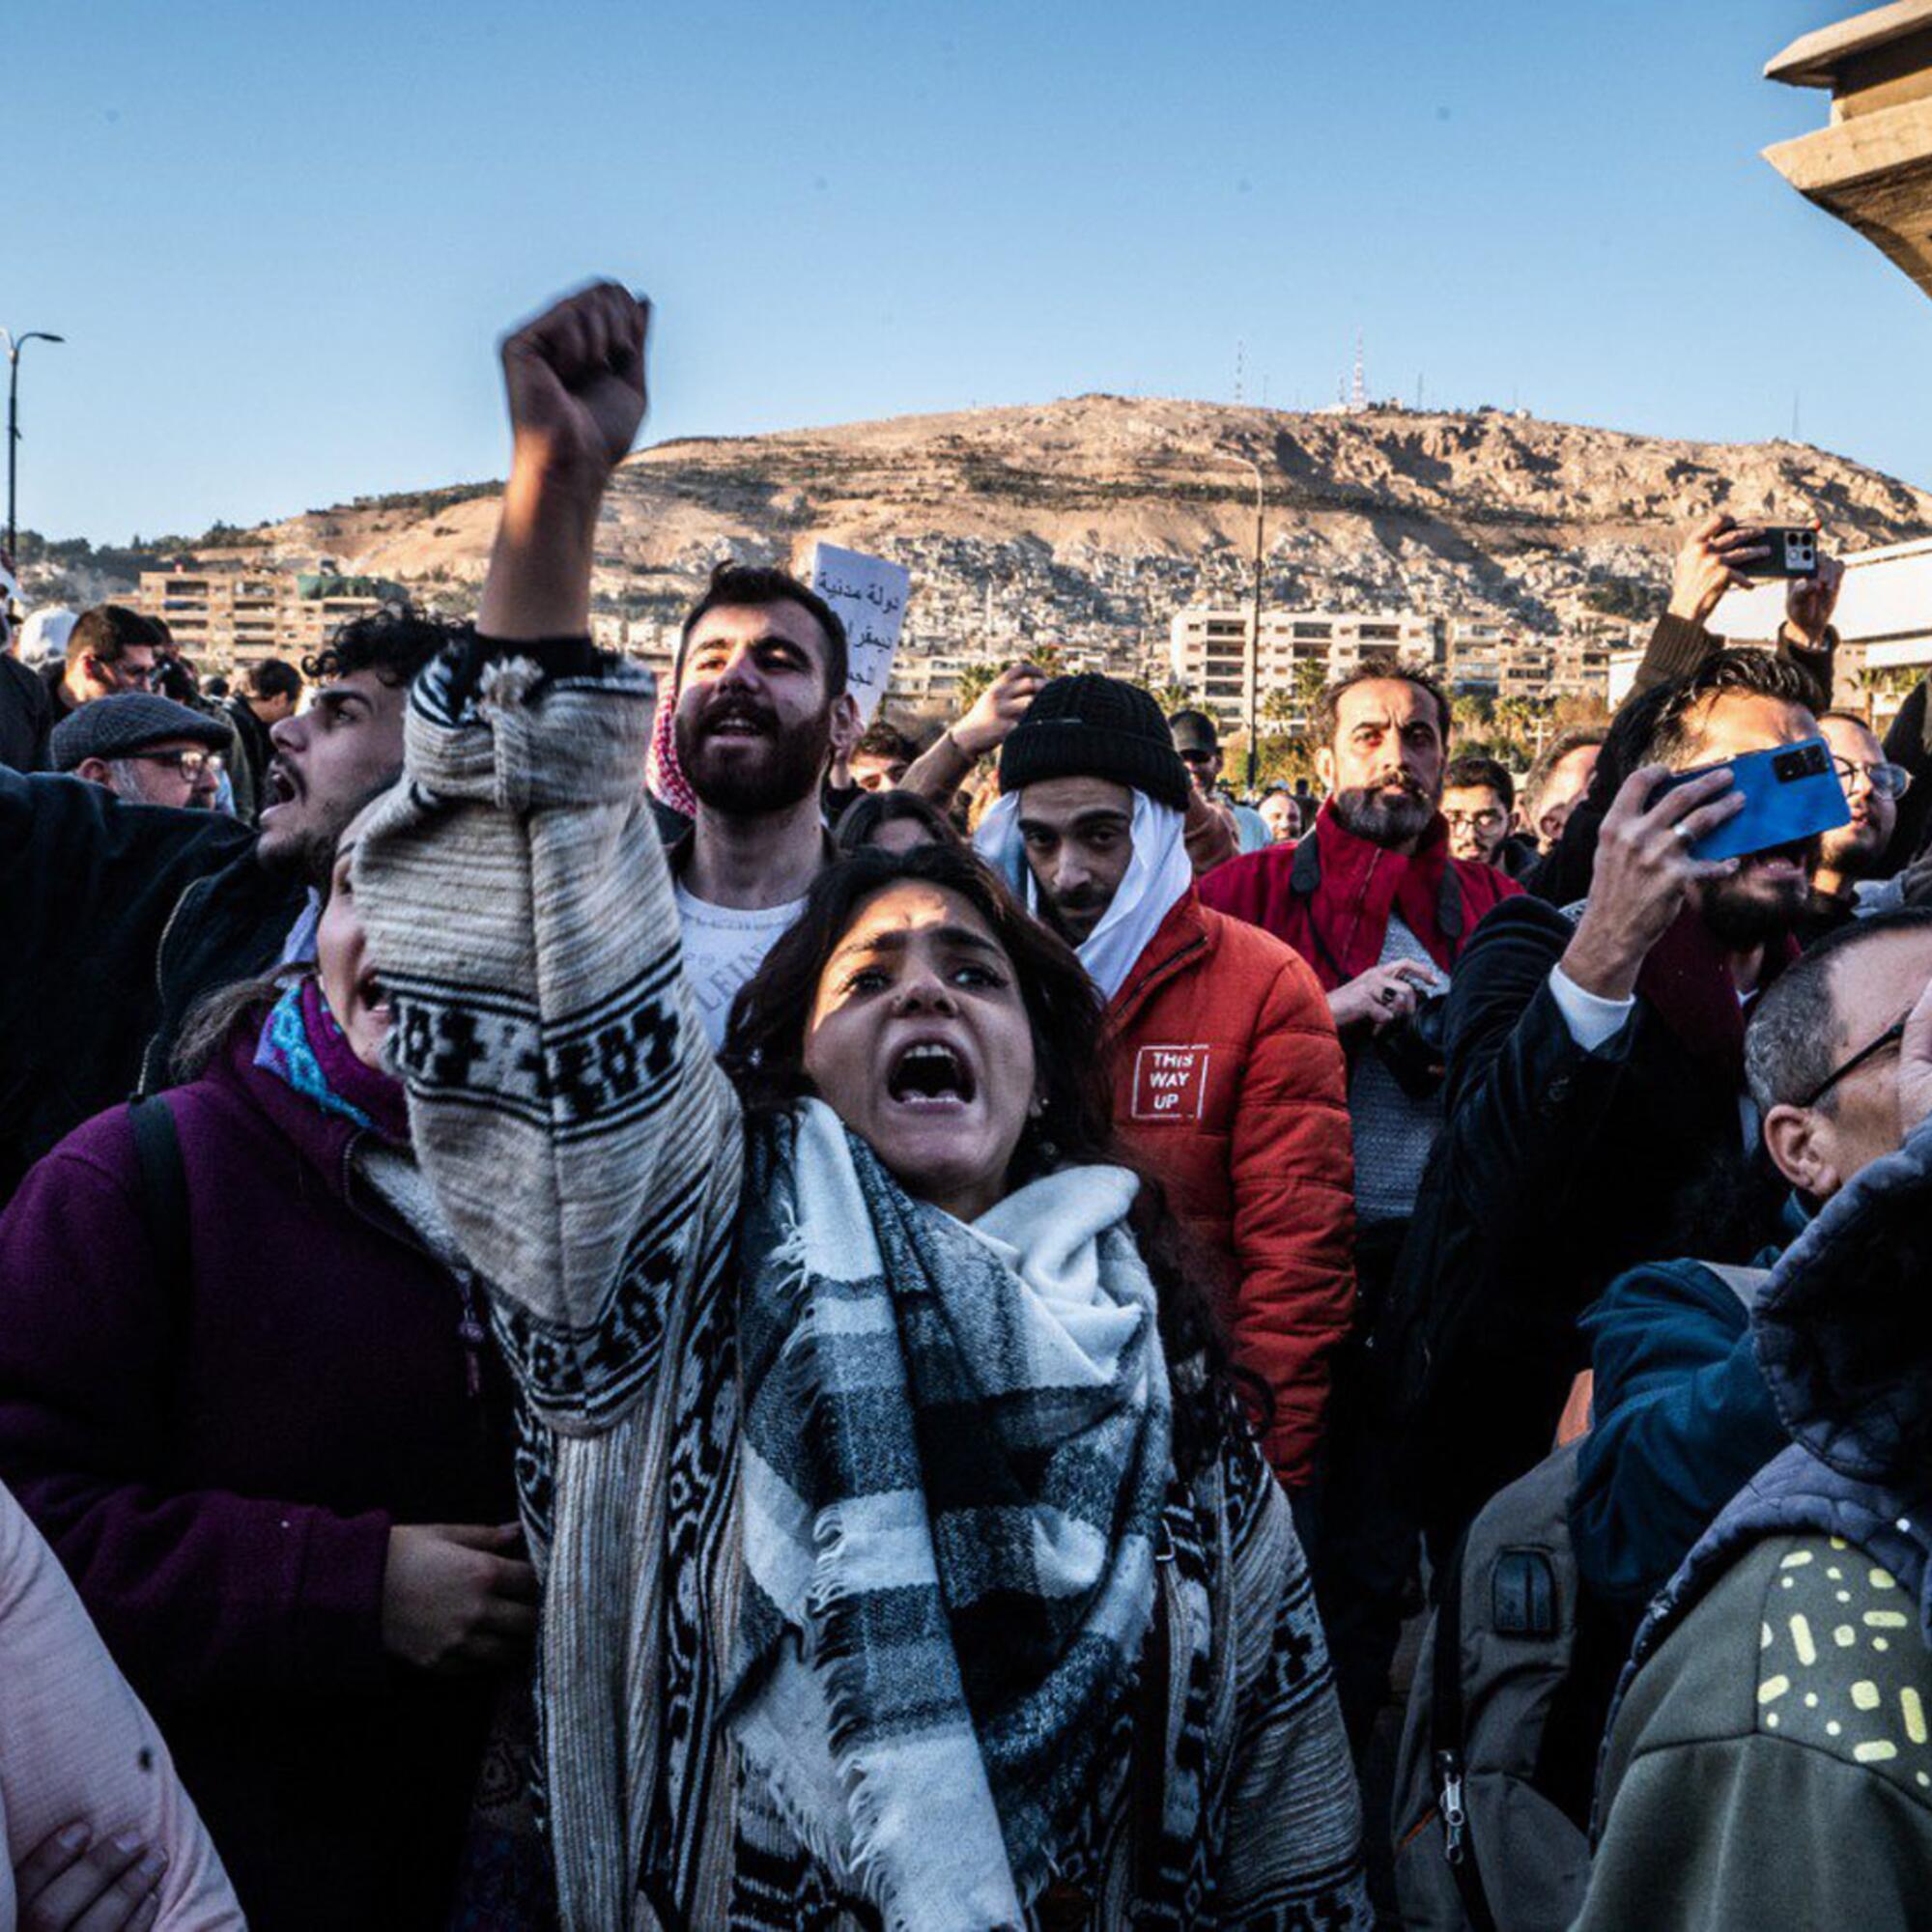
{"x":129,"y":721}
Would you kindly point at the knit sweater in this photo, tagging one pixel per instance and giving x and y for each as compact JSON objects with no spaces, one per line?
{"x":74,"y":1742}
{"x":567,"y":1109}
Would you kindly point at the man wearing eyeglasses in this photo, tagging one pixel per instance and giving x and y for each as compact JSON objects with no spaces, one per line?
{"x":1772,"y":1751}
{"x":143,"y":749}
{"x":1596,"y":1057}
{"x":110,"y":649}
{"x":1479,"y":807}
{"x":1857,"y":850}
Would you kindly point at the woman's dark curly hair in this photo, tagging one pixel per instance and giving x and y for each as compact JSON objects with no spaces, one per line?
{"x":764,"y":1053}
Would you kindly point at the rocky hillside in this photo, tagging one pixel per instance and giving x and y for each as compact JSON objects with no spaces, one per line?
{"x":1092,"y":520}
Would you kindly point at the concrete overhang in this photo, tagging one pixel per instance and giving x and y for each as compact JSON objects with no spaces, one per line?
{"x":1872,"y":165}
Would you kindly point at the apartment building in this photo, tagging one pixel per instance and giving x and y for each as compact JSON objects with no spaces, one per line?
{"x":226,"y":620}
{"x":1299,"y":651}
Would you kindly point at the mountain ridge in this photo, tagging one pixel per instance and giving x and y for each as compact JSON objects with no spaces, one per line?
{"x":1092,"y":519}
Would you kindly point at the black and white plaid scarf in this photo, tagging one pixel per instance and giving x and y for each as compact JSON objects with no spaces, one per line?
{"x":956,"y":1444}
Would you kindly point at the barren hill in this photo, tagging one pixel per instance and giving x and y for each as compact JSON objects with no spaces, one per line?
{"x":1092,"y":520}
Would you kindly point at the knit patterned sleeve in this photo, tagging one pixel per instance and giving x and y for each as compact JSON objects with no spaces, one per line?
{"x":563,"y":1101}
{"x":1292,"y":1857}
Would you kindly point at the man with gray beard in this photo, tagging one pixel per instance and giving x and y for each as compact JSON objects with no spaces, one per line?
{"x":1374,"y":901}
{"x":761,"y":706}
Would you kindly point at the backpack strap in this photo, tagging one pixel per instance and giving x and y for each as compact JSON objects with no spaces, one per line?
{"x":1304,"y":876}
{"x":163,"y":1190}
{"x":1450,"y":921}
{"x":1445,"y":1746}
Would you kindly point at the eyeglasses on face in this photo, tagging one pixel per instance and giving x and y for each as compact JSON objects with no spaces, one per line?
{"x":190,"y":765}
{"x":125,"y":674}
{"x":1890,"y":1037}
{"x":1887,"y":780}
{"x":1488,"y":820}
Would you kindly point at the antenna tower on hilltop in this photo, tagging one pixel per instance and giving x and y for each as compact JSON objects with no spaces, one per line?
{"x":1358,"y":388}
{"x":1241,"y":356}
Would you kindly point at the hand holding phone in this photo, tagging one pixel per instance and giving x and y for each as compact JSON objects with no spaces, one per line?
{"x":1790,"y":793}
{"x":1788,"y":549}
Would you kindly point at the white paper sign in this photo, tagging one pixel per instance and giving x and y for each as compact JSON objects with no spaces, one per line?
{"x":869,"y":595}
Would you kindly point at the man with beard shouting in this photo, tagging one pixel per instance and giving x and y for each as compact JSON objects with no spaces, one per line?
{"x":1372,"y":900}
{"x":761,"y":709}
{"x":126,"y":914}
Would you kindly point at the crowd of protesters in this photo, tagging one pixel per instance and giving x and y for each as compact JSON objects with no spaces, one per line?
{"x":668,"y":1307}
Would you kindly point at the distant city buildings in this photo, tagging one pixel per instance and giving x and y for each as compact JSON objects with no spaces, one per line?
{"x":1302,"y":650}
{"x":1884,"y":621}
{"x":226,"y":620}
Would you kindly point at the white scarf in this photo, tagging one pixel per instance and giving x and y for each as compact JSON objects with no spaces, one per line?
{"x":1158,"y":875}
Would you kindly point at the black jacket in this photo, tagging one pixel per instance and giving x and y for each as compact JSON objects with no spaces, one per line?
{"x":250,"y":760}
{"x":1557,"y":1170}
{"x":120,"y":917}
{"x":26,"y":717}
{"x":1908,"y":742}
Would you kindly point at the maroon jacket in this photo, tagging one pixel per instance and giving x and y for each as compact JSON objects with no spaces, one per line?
{"x":219,"y":1463}
{"x":1329,"y":895}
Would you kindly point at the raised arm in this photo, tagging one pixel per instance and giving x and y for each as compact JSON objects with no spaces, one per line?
{"x":948,"y":762}
{"x":563,"y":1101}
{"x":1710,"y":561}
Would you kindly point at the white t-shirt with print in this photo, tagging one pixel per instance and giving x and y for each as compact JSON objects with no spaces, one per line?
{"x":722,"y":947}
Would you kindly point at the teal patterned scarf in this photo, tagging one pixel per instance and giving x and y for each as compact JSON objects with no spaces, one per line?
{"x":302,"y":1044}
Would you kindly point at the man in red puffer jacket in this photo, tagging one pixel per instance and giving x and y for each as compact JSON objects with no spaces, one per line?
{"x":1229,"y":1076}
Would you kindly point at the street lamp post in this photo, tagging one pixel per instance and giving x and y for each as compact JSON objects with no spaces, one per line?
{"x":14,"y":344}
{"x":1251,"y":669}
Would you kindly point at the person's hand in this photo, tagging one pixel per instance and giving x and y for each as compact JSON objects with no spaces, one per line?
{"x":1644,"y":873}
{"x":1382,"y":995}
{"x":73,"y":1882}
{"x":1809,"y":601}
{"x":1915,"y":1065}
{"x":575,"y":379}
{"x":1708,"y":564}
{"x":1004,"y":702}
{"x":454,"y":1600}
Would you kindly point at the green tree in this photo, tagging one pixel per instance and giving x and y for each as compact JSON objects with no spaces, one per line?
{"x":1310,"y":679}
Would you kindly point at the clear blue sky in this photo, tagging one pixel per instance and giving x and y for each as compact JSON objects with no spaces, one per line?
{"x":282,"y":239}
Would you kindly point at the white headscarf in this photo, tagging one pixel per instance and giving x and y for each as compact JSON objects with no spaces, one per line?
{"x":1158,"y":875}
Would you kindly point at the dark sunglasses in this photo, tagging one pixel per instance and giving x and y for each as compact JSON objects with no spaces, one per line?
{"x":1890,"y":1037}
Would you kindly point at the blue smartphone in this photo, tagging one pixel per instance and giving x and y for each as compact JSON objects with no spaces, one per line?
{"x":1791,"y":792}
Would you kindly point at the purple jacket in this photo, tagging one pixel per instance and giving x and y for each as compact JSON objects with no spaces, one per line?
{"x":218,"y":1463}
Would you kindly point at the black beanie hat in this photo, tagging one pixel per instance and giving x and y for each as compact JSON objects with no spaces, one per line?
{"x":1095,"y":727}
